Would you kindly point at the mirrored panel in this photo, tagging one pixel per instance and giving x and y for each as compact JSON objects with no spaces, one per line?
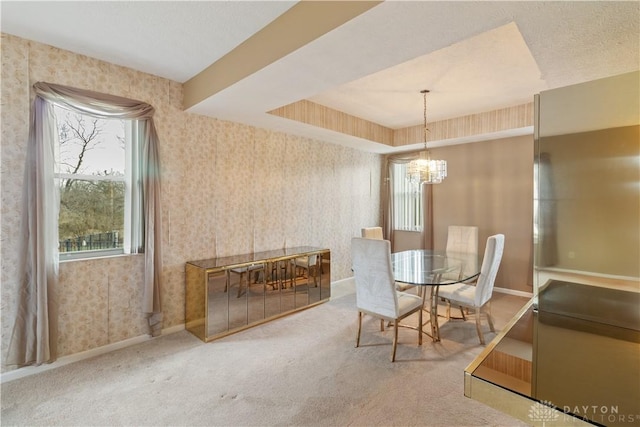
{"x":278,"y":277}
{"x":255,"y":289}
{"x":218,"y":302}
{"x":237,"y":297}
{"x":588,"y":202}
{"x":288,"y":296}
{"x":306,"y":277}
{"x":321,"y":273}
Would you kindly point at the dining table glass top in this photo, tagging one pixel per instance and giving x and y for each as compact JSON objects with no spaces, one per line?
{"x":431,"y":267}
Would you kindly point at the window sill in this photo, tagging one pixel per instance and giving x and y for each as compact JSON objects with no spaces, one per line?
{"x":97,"y":257}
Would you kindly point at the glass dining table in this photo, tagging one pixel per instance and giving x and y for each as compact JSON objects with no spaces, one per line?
{"x":430,"y":269}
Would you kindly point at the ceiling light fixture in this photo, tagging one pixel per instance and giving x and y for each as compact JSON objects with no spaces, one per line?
{"x":423,"y":170}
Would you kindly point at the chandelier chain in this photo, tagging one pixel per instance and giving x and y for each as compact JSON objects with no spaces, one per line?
{"x":425,"y":118}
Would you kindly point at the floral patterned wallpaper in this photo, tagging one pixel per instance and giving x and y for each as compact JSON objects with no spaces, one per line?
{"x":227,"y":189}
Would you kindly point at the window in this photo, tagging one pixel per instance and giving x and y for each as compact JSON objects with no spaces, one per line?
{"x":407,"y":200}
{"x":94,"y":174}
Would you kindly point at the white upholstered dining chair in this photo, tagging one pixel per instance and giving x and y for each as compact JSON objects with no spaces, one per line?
{"x":463,"y":239}
{"x":376,"y":293}
{"x":372,"y":233}
{"x":477,"y":297}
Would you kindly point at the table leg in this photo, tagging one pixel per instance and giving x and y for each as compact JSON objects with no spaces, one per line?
{"x":433,"y":308}
{"x":433,"y":314}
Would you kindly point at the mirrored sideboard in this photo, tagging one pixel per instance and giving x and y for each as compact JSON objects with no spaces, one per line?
{"x":228,"y":294}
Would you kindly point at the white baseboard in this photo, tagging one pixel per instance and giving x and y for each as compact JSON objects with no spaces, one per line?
{"x":66,"y":360}
{"x":513,"y":292}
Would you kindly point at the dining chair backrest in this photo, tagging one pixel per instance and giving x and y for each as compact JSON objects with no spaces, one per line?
{"x":313,"y":259}
{"x":462,"y":238}
{"x":373,"y":273}
{"x":306,"y":261}
{"x":490,"y":264}
{"x":372,"y":233}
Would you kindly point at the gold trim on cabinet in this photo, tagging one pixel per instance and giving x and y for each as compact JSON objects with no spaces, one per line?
{"x":492,"y":345}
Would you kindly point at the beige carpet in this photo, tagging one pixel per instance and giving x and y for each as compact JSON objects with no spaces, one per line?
{"x":301,"y":370}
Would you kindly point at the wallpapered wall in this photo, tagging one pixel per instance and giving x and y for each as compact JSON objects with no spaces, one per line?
{"x":227,"y":189}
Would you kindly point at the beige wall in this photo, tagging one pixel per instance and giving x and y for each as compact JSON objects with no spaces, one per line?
{"x":227,"y":189}
{"x":490,"y":185}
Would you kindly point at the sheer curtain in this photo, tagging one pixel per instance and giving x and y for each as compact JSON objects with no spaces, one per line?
{"x":388,"y":197}
{"x":34,"y":336}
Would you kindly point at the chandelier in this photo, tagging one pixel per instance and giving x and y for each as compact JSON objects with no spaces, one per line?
{"x":424,"y":170}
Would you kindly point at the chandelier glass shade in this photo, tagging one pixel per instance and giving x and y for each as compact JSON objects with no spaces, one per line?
{"x":425,"y":170}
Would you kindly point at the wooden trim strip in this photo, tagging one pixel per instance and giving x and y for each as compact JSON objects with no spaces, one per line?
{"x":304,"y":111}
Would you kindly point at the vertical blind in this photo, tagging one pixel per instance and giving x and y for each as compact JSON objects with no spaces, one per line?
{"x":407,"y":203}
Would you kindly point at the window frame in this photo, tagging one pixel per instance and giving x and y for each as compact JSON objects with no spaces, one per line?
{"x":407,"y":200}
{"x":132,"y":194}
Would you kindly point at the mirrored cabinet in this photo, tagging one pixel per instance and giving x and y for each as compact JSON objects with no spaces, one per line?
{"x":229,"y":294}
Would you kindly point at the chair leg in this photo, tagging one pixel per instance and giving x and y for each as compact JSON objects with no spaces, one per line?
{"x":359,"y":329}
{"x":462,"y":312}
{"x":395,"y":341}
{"x":489,"y":319}
{"x":478,"y":326}
{"x":294,"y":271}
{"x":420,"y":327}
{"x":240,"y":284}
{"x":381,"y":325}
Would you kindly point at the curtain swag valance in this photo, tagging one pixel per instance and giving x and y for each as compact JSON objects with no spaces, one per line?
{"x":405,"y":157}
{"x":94,"y":103}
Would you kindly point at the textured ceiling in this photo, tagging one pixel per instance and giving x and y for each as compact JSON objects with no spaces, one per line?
{"x":473,"y":56}
{"x":461,"y":78}
{"x":171,"y":39}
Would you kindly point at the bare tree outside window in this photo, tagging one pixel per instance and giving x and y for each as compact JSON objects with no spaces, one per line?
{"x":91,"y":172}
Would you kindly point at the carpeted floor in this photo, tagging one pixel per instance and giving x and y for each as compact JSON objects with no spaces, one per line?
{"x":300,"y":370}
